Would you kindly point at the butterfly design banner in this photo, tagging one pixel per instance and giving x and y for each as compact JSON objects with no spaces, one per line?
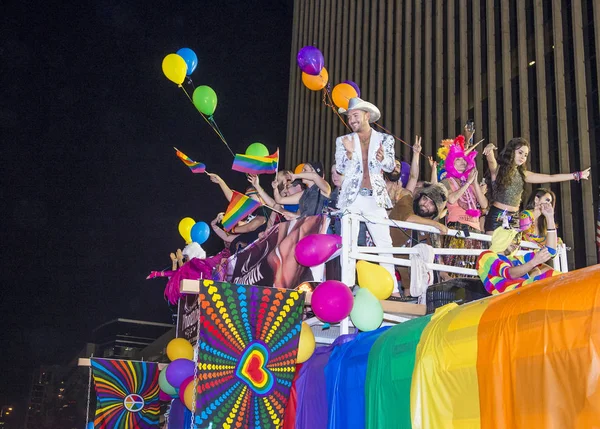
{"x":126,"y":394}
{"x":247,"y":343}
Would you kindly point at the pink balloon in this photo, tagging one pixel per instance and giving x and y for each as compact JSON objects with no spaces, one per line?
{"x":183,"y":385}
{"x":316,"y":249}
{"x":164,"y":396}
{"x":332,"y":301}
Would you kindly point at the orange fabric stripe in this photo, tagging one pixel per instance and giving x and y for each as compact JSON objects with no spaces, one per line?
{"x":538,"y":354}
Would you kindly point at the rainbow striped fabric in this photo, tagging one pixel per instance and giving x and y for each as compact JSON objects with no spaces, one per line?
{"x":239,"y":207}
{"x":256,"y":164}
{"x":196,"y":167}
{"x":127,"y":394}
{"x":527,"y":358}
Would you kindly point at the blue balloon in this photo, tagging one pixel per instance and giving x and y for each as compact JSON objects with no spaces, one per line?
{"x":200,"y":232}
{"x":190,"y":59}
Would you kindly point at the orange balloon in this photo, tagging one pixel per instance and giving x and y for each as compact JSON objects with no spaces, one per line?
{"x":298,"y":169}
{"x":316,"y":83}
{"x":188,"y":396}
{"x":342,"y":93}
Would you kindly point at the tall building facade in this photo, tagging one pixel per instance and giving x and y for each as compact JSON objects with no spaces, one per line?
{"x":516,"y":67}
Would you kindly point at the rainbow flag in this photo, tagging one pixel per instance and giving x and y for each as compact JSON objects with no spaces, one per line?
{"x":256,"y":164}
{"x":239,"y":207}
{"x":196,"y":167}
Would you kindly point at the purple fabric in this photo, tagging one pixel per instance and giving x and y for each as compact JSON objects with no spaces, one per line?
{"x":194,"y":269}
{"x":311,"y":388}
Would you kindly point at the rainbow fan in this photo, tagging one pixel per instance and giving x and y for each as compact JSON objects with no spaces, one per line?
{"x":127,"y":394}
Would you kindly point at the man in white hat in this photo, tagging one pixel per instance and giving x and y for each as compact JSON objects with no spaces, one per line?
{"x":362,"y":157}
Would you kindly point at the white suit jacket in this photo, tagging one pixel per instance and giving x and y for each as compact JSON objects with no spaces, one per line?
{"x":352,"y":169}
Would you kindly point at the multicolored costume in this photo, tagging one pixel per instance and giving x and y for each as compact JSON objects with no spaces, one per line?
{"x":464,"y":214}
{"x":493,"y":271}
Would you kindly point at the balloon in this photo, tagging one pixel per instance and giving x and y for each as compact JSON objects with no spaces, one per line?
{"x":188,"y":396}
{"x":404,"y":173}
{"x":298,"y":169}
{"x":200,"y":232}
{"x":306,"y":345}
{"x":177,"y":415}
{"x":257,"y":149}
{"x":164,"y":385}
{"x":190,"y":58}
{"x":367,"y":313}
{"x":180,"y":348}
{"x":185,"y":228}
{"x":174,"y":68}
{"x":185,"y":383}
{"x":90,"y":425}
{"x":205,"y":99}
{"x":353,"y":85}
{"x":342,"y":93}
{"x":332,"y":301}
{"x":316,"y":249}
{"x":375,"y":278}
{"x":310,"y":60}
{"x":179,"y":370}
{"x":317,"y":82}
{"x":162,"y":396}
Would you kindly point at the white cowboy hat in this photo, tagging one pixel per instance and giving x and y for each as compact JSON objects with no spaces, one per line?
{"x":357,"y":103}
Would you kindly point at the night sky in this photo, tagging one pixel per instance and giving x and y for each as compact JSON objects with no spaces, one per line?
{"x":91,"y":189}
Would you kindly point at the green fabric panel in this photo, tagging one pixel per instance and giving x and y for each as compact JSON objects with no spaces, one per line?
{"x":389,"y":375}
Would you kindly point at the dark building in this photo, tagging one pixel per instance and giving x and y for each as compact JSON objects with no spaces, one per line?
{"x":516,"y":67}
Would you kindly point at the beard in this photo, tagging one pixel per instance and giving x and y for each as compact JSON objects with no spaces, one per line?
{"x":393,"y":176}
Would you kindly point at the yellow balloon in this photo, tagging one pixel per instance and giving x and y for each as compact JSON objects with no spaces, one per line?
{"x":374,"y":277}
{"x":174,"y":68}
{"x":185,"y":228}
{"x":316,"y":83}
{"x":188,"y":396}
{"x":306,"y":345}
{"x":180,"y":348}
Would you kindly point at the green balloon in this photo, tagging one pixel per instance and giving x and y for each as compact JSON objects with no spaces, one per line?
{"x":164,"y":384}
{"x":205,"y":99}
{"x":257,"y":149}
{"x":367,"y":313}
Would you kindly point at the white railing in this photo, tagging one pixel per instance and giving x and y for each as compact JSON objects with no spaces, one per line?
{"x":351,"y":252}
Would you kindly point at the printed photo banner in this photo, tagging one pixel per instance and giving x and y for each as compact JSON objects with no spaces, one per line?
{"x":247,"y":344}
{"x":126,"y":394}
{"x":270,"y":261}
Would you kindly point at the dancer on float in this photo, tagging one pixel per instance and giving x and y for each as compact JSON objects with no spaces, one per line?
{"x":466,"y":199}
{"x":509,"y":176}
{"x":501,"y":270}
{"x":362,"y":156}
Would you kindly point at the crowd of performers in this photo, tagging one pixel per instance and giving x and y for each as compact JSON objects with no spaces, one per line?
{"x":366,"y":179}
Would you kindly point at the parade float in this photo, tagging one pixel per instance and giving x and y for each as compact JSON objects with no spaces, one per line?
{"x":295,"y":330}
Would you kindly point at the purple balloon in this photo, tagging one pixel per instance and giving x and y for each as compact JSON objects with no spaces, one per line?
{"x":310,"y":60}
{"x":353,"y":85}
{"x":404,"y":173}
{"x":332,"y":301}
{"x":179,"y":370}
{"x":162,"y":396}
{"x":316,"y":249}
{"x":177,"y":415}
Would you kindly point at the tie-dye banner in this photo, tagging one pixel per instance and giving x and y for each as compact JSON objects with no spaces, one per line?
{"x":247,"y":344}
{"x":528,"y":358}
{"x":126,"y":394}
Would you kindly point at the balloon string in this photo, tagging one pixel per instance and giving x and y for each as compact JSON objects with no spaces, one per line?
{"x":332,"y":106}
{"x":218,"y":130}
{"x":208,"y":122}
{"x":396,"y":137}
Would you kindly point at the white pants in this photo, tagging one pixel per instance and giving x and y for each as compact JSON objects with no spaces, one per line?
{"x":379,"y":233}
